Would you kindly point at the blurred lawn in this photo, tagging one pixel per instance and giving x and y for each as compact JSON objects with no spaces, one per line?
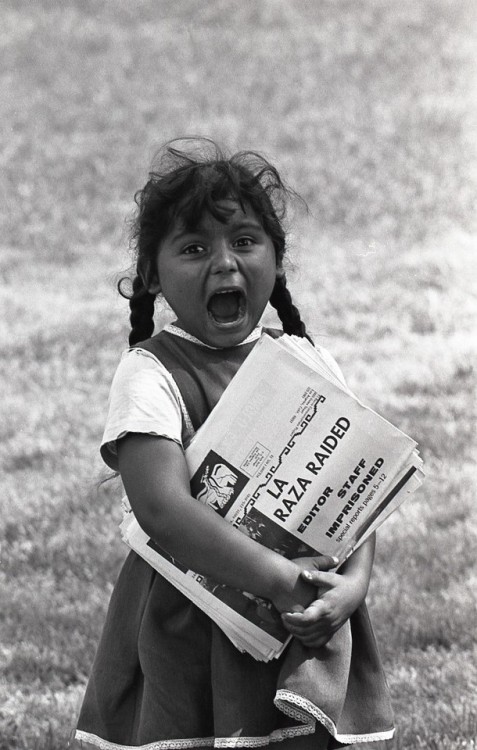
{"x":369,"y":108}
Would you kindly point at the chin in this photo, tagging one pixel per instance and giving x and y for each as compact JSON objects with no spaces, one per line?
{"x":229,"y":334}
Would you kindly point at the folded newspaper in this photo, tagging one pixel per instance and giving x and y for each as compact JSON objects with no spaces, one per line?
{"x":295,"y":461}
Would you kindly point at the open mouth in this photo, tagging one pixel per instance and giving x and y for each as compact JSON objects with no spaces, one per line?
{"x":227,"y":306}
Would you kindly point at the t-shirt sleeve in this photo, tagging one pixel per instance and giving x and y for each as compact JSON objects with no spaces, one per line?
{"x":143,"y":398}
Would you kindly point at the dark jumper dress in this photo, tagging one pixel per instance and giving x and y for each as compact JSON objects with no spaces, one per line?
{"x":166,"y":677}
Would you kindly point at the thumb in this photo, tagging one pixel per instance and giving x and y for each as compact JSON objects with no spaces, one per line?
{"x":325,"y":562}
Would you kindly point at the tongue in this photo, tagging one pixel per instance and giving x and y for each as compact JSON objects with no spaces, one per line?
{"x":225,"y":306}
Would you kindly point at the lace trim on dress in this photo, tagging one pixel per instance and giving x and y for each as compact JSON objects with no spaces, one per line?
{"x":288,"y":702}
{"x":213,"y":742}
{"x":96,"y":741}
{"x":176,"y":331}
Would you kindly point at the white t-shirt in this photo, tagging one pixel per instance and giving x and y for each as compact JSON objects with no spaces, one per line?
{"x":144,"y":398}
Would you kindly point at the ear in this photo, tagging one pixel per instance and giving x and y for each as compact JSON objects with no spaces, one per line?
{"x":154,"y":286}
{"x":280,"y":272}
{"x":150,"y":281}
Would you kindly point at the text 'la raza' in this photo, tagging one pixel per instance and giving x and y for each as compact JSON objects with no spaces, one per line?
{"x":290,"y":493}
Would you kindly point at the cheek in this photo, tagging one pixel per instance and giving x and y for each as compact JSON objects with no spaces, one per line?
{"x":270,"y":273}
{"x":271,"y":279}
{"x":264,"y":277}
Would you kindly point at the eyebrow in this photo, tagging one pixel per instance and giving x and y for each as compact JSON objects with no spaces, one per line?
{"x":240,"y":225}
{"x":248,"y":224}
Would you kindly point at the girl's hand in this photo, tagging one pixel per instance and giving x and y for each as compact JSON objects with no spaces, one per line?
{"x":338,"y":599}
{"x":293,"y":593}
{"x":339,"y":595}
{"x":296,"y":597}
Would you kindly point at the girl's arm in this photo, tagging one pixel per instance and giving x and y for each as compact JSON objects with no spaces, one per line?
{"x":156,"y":480}
{"x":340,"y":594}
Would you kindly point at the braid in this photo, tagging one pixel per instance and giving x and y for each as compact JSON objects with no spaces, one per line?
{"x":287,"y":312}
{"x":141,"y":304}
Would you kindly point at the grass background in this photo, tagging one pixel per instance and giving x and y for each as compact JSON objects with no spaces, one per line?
{"x":369,"y":109}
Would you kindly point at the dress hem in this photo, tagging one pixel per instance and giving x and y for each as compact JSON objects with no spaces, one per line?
{"x":213,"y":742}
{"x":293,"y":704}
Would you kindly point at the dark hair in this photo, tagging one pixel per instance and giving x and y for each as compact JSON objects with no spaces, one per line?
{"x":191,"y":177}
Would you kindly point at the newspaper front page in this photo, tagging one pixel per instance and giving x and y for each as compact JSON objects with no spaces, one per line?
{"x":296,"y":462}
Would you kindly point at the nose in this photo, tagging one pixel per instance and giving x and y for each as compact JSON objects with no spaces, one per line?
{"x":223,"y":258}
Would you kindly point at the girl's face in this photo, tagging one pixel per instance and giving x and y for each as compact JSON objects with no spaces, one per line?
{"x":219,"y":277}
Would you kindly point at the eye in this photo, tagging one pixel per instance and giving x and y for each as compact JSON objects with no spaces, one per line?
{"x":244,"y":242}
{"x":193,"y":249}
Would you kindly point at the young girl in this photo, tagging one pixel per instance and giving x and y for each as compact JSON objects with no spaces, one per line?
{"x":209,"y":239}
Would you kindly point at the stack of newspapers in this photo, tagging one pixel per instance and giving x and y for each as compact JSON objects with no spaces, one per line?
{"x":295,"y":461}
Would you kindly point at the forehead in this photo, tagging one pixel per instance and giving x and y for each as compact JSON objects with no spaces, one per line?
{"x":228,"y":213}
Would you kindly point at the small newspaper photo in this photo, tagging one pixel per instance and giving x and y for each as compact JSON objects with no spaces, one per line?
{"x":295,"y":461}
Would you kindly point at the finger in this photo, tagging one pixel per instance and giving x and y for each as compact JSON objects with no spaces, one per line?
{"x":304,"y":621}
{"x":325,"y":562}
{"x":296,"y":609}
{"x":307,"y":631}
{"x":311,"y":614}
{"x":292,"y":620}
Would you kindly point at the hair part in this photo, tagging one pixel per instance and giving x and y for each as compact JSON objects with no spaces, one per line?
{"x":191,"y":178}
